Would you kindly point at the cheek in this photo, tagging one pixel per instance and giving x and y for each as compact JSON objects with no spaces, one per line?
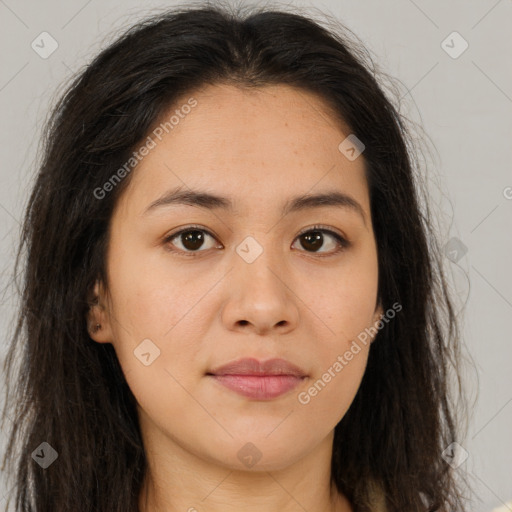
{"x":323,"y":403}
{"x":345,"y":302}
{"x":150,"y":294}
{"x":345,"y":307}
{"x":154,"y":342}
{"x":158,"y":310}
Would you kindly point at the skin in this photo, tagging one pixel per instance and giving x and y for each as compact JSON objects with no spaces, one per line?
{"x":259,"y":147}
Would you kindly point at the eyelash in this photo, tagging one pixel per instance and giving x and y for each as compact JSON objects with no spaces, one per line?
{"x":343,"y":243}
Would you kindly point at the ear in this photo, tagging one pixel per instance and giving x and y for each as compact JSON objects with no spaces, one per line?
{"x":379,"y":311}
{"x":98,"y":317}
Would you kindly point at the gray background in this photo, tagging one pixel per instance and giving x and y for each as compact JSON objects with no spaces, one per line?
{"x":464,"y":105}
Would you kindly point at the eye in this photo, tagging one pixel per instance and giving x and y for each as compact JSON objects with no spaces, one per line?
{"x":315,"y":238}
{"x":192,"y":240}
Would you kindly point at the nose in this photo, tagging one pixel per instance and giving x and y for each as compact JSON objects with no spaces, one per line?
{"x":259,"y":298}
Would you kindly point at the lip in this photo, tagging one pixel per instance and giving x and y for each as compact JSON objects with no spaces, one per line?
{"x":260,"y":380}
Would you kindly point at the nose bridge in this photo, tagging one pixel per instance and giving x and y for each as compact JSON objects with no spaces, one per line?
{"x":259,"y":294}
{"x":256,"y":263}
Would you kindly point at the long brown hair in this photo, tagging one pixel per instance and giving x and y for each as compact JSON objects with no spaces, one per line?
{"x":70,"y":392}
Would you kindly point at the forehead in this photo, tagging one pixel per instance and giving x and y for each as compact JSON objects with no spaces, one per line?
{"x":259,"y":144}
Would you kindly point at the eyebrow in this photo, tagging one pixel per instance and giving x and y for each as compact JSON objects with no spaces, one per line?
{"x":210,"y":201}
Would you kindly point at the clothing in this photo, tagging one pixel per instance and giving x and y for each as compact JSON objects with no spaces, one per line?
{"x":373,"y":497}
{"x":505,"y":508}
{"x":377,"y":498}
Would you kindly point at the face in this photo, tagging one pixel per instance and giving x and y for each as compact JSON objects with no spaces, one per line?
{"x":198,"y":284}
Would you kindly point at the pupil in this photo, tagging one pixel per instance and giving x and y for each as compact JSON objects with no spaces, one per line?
{"x":314,"y":239}
{"x":192,"y":239}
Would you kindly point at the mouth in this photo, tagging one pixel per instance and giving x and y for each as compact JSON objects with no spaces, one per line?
{"x":259,"y":380}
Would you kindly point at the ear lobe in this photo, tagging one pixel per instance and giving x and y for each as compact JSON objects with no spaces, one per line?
{"x":379,"y":312}
{"x":98,"y":322}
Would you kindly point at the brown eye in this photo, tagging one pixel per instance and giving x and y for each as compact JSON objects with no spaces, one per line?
{"x":194,"y":239}
{"x":190,"y":240}
{"x":317,"y":238}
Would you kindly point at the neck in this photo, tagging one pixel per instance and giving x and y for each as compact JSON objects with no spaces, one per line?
{"x":185,"y":482}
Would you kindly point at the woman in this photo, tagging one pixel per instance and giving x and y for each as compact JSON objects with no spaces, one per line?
{"x":232,"y":297}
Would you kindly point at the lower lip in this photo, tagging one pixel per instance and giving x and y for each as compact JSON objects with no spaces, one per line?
{"x":259,"y":387}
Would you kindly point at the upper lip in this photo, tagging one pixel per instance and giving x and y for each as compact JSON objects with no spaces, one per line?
{"x":251,"y":366}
